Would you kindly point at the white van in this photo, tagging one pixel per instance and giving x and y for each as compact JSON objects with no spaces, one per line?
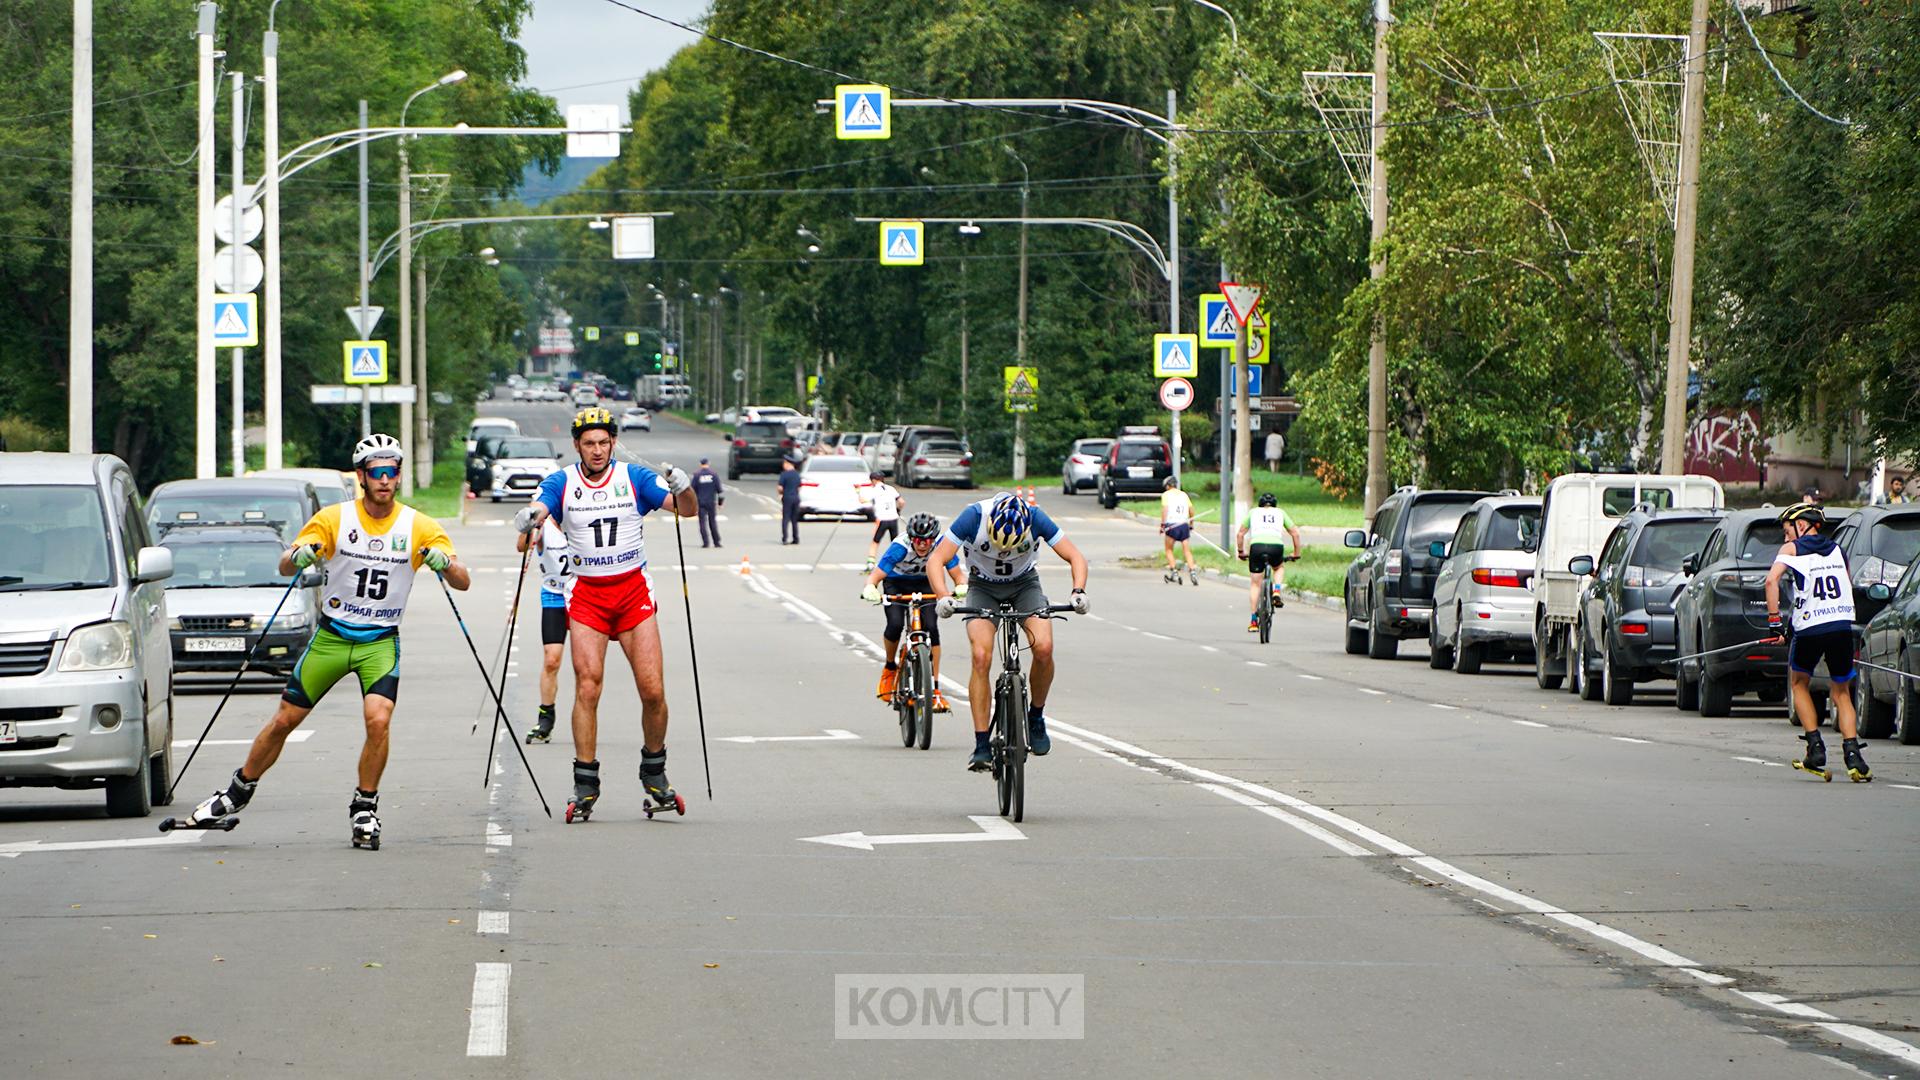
{"x":1578,"y":513}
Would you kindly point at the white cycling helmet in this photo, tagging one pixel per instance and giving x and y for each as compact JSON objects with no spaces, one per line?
{"x":377,"y":445}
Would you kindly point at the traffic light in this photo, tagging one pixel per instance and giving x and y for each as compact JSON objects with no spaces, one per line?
{"x":656,"y":361}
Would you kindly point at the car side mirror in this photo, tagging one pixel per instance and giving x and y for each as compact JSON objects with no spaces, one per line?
{"x":152,"y":564}
{"x":1879,"y":590}
{"x":1580,"y":565}
{"x":310,"y":578}
{"x":1690,"y":565}
{"x":1355,"y":538}
{"x":1437,"y":549}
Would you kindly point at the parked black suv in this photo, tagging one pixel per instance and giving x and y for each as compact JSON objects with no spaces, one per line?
{"x":1724,"y":604}
{"x":1880,"y":542}
{"x":758,"y":446}
{"x":1624,"y":633}
{"x":1389,"y":587}
{"x":1887,"y":696}
{"x":1138,"y":462}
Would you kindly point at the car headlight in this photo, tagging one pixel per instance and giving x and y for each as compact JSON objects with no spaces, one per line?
{"x":99,"y":647}
{"x":298,"y":620}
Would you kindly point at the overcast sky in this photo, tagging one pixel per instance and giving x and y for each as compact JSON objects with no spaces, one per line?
{"x":573,"y":43}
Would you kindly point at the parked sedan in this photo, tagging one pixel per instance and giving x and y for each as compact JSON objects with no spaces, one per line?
{"x":1889,"y":703}
{"x":1482,"y":608}
{"x":635,"y":418}
{"x":1624,"y":628}
{"x":1081,"y":467}
{"x":1724,"y":604}
{"x":938,"y":461}
{"x":226,"y":584}
{"x":833,"y":486}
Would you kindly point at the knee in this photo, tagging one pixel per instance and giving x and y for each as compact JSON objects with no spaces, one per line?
{"x":982,"y":657}
{"x":1043,"y":651}
{"x":653,"y":698}
{"x":586,"y":687}
{"x":377,"y":727}
{"x":285,"y":720}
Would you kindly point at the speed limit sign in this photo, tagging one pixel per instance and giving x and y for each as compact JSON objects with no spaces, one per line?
{"x":1176,"y":394}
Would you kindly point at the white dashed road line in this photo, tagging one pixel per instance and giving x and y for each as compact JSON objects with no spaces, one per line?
{"x":487,"y":1022}
{"x":492,"y":922}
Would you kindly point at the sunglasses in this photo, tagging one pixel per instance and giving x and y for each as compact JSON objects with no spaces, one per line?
{"x":382,"y":472}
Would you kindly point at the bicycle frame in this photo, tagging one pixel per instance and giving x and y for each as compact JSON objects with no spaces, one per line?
{"x":913,"y":692}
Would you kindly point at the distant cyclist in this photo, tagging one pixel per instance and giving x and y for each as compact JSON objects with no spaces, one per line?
{"x":1822,"y":631}
{"x":1262,"y":541}
{"x":1000,"y":540}
{"x":1176,"y":527}
{"x":371,"y":547}
{"x":903,"y":570}
{"x":556,"y":585}
{"x":887,"y":502}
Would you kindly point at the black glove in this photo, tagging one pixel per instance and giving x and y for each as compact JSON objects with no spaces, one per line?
{"x":1776,"y":624}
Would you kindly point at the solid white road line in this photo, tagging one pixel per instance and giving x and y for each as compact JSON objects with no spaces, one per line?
{"x":1371,"y":690}
{"x":1449,"y":708}
{"x":492,"y":922}
{"x":297,"y":735}
{"x":31,"y":847}
{"x":832,"y":735}
{"x":1529,"y":723}
{"x":487,"y":1021}
{"x":1304,"y":675}
{"x":1628,"y":738}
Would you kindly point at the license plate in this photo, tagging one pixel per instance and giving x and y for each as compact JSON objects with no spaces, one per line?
{"x":1140,"y":472}
{"x":8,"y":733}
{"x":216,"y":644}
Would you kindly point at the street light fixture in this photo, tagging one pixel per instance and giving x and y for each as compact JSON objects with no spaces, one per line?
{"x":597,"y":223}
{"x":969,"y":229}
{"x":486,"y":253}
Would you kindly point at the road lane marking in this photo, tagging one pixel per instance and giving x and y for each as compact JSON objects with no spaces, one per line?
{"x":492,"y":922}
{"x":991,"y":828}
{"x":1628,"y":738}
{"x":296,"y":735}
{"x":1530,"y":723}
{"x":1256,"y":663}
{"x":1209,"y":648}
{"x":1304,"y":675}
{"x":31,"y":847}
{"x":487,"y":1022}
{"x":1338,"y":843}
{"x":497,"y":836}
{"x":1371,"y":690}
{"x":1156,"y":637}
{"x":1449,"y":708}
{"x":832,"y":735}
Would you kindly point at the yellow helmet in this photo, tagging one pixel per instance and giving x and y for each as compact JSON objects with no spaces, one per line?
{"x":1803,"y":511}
{"x":594,"y":417}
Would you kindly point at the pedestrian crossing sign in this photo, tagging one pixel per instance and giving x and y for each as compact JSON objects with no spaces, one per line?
{"x":862,"y":112}
{"x":593,"y":333}
{"x":366,"y":361}
{"x":1217,"y":327}
{"x":902,"y":243}
{"x":1175,"y":354}
{"x":235,"y":324}
{"x":632,"y":338}
{"x":1022,"y":388}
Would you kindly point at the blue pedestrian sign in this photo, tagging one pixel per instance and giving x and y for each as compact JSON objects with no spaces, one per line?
{"x":366,"y":361}
{"x":902,"y":243}
{"x":862,"y":112}
{"x":1175,"y":355}
{"x":1217,"y":325}
{"x":1253,"y":379}
{"x":235,"y":321}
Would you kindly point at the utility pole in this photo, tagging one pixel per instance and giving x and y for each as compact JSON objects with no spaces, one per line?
{"x":270,"y":404}
{"x":423,"y":429}
{"x":1673,"y":431}
{"x":366,"y":394}
{"x":80,"y":257}
{"x":1227,"y":488}
{"x":1020,"y":339}
{"x":206,"y":418}
{"x":1377,"y":354}
{"x":1173,"y":260}
{"x":963,"y":345}
{"x":406,"y":314}
{"x":238,"y":441}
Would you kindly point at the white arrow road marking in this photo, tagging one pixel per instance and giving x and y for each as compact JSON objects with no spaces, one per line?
{"x":26,"y":847}
{"x":992,"y":828}
{"x":832,"y":735}
{"x":294,"y":736}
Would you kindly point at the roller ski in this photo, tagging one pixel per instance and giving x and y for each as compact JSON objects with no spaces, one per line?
{"x":586,"y":791}
{"x":1816,"y":760}
{"x":1193,"y":576}
{"x":366,"y":820}
{"x":1857,"y":770}
{"x":660,"y":794}
{"x":1172,"y":577}
{"x":220,"y":809}
{"x":542,"y":729}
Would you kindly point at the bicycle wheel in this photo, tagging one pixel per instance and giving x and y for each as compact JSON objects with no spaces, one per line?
{"x":1266,"y":607}
{"x":923,"y":696}
{"x":1013,"y":804}
{"x":903,"y":695}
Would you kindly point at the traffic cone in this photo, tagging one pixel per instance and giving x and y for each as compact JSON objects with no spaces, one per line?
{"x":746,"y":567}
{"x":1033,"y":497}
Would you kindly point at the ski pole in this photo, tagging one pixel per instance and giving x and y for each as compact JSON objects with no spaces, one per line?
{"x":499,"y":661}
{"x":823,"y":547}
{"x":1888,"y":670}
{"x":506,"y":650}
{"x":245,"y":665}
{"x":499,"y":709}
{"x":1776,"y":640}
{"x":693,"y":654}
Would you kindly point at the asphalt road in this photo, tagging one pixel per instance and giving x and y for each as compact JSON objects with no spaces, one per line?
{"x":1274,"y":860}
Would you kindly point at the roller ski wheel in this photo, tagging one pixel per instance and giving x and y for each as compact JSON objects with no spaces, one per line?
{"x":1815,"y":761}
{"x":675,"y":803}
{"x":1171,"y":576}
{"x":1821,"y":773}
{"x":586,"y":791}
{"x":580,"y":809}
{"x":1857,"y":770}
{"x":224,"y":824}
{"x":1193,"y":575}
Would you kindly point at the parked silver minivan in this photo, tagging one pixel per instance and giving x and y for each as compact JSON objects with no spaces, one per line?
{"x":86,"y":668}
{"x":1481,"y":607}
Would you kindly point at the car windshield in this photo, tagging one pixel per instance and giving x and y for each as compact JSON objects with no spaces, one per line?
{"x":940,"y":446}
{"x":479,"y":430}
{"x":1435,"y":519}
{"x":224,"y":564}
{"x":1663,"y":544}
{"x":1762,"y":540}
{"x":329,"y":495}
{"x":836,"y":465}
{"x":1511,"y":528}
{"x":284,"y":511}
{"x":53,"y":538}
{"x":1896,"y":539}
{"x":1133,"y":453}
{"x":524,"y":448}
{"x":1097,"y":448}
{"x":757,"y":430}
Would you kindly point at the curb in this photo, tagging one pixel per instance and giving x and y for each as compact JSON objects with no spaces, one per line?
{"x":1321,"y":600}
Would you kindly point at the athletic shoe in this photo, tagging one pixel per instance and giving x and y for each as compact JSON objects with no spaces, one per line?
{"x":1037,"y":740}
{"x":1253,"y":624}
{"x":889,"y":678}
{"x":982,"y":759}
{"x":940,"y":702}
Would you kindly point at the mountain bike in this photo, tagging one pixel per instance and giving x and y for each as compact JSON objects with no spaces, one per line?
{"x":1263,"y":614}
{"x":1007,"y":734}
{"x":913,"y":691}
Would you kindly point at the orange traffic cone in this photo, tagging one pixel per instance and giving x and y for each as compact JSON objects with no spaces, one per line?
{"x":746,"y":567}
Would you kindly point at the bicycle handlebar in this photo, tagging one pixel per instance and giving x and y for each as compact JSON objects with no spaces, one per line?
{"x":998,"y":613}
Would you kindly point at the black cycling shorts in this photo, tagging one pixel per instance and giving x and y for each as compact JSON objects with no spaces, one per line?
{"x":1262,"y":556}
{"x":897,"y":613}
{"x":553,"y":625}
{"x":888,"y":529}
{"x":1833,"y":646}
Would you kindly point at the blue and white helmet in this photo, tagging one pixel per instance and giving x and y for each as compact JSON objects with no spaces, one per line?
{"x":1008,"y":522}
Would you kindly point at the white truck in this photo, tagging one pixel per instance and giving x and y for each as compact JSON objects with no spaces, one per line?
{"x":1579,"y":511}
{"x":663,"y":391}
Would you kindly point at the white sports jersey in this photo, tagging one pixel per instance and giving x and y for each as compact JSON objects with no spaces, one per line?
{"x":988,"y":563}
{"x":556,"y":570}
{"x":886,"y":503}
{"x":1822,"y":592}
{"x":604,"y":521}
{"x":369,"y":577}
{"x":1175,"y":507}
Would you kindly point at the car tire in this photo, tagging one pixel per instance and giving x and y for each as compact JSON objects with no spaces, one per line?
{"x":1108,"y":499}
{"x":1439,"y":656}
{"x":1906,"y":705}
{"x":1716,"y":695}
{"x":1875,"y":717}
{"x":1615,"y":687}
{"x":1356,"y":635}
{"x":132,"y":796}
{"x":1380,"y":644}
{"x":1686,"y":692}
{"x":495,"y":498}
{"x":1543,"y":678}
{"x":1066,"y":488}
{"x":160,"y":786}
{"x":1582,"y":671}
{"x":1468,"y":656}
{"x":1773,"y":695}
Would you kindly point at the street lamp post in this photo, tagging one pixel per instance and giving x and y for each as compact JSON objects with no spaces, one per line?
{"x":1020,"y":334}
{"x":270,"y":241}
{"x":408,"y":443}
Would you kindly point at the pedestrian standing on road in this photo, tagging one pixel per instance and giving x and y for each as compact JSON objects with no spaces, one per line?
{"x":789,"y":481}
{"x":556,"y":584}
{"x":711,"y":495}
{"x":1822,"y":630}
{"x":1176,"y":527}
{"x":1276,"y":447}
{"x":887,"y":503}
{"x":371,"y":548}
{"x":601,"y":505}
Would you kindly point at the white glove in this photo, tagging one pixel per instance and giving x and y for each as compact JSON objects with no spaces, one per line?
{"x":1079,"y":601}
{"x":871,"y":594}
{"x":305,"y":555}
{"x":677,"y":480}
{"x":960,"y":591}
{"x":524,"y":520}
{"x":435,"y":560}
{"x":943,"y":607}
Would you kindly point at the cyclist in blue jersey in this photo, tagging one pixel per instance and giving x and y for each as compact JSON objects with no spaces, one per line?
{"x":903,"y":570}
{"x":1000,"y":541}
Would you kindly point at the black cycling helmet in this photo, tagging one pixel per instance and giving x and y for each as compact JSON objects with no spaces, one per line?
{"x":1803,"y":511}
{"x":923,"y":527}
{"x":594,"y":417}
{"x":875,"y":476}
{"x":1268,"y":498}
